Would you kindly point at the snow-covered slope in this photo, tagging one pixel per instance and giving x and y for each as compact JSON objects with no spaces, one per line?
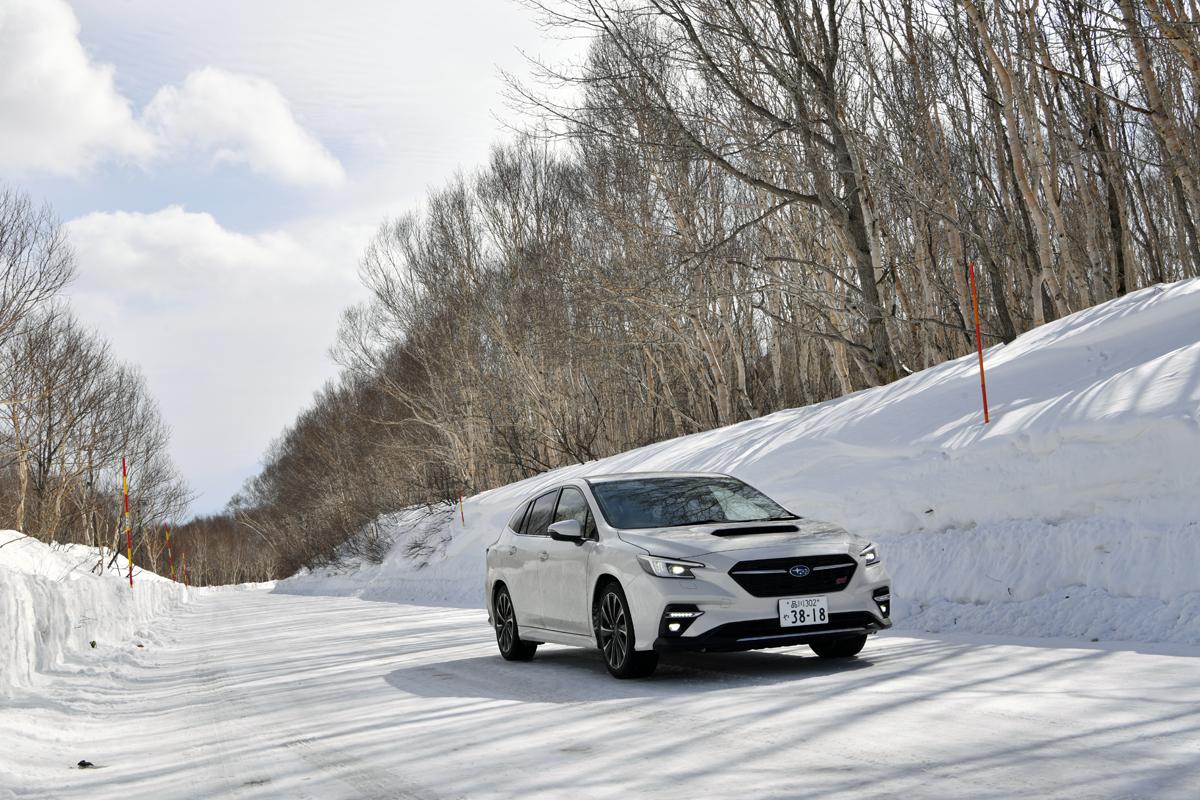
{"x":52,"y":605}
{"x":1075,"y":513}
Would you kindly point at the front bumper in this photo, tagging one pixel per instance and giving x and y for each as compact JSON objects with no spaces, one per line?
{"x":733,"y":619}
{"x":759,"y":634}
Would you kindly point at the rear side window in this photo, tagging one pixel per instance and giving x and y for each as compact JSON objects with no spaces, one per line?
{"x":571,"y":505}
{"x":540,"y":514}
{"x":518,"y":518}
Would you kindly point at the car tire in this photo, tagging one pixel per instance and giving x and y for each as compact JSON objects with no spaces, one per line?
{"x":614,"y":636}
{"x":508,"y":636}
{"x":839,"y":648}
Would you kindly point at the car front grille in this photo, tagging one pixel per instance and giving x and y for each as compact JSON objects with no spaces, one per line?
{"x":770,"y":577}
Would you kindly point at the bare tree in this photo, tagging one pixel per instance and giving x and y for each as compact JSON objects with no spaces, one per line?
{"x":36,"y":261}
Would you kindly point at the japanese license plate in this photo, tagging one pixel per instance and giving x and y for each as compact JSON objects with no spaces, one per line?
{"x":812,"y":610}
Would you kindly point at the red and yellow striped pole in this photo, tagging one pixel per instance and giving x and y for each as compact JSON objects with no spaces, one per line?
{"x":128,"y":527}
{"x":170,"y":556}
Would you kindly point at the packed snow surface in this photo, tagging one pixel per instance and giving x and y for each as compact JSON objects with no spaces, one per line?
{"x":257,"y":695}
{"x":1074,"y":513}
{"x":54,"y":602}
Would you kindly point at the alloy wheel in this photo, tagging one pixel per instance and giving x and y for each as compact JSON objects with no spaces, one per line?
{"x":506,"y":622}
{"x":614,"y":630}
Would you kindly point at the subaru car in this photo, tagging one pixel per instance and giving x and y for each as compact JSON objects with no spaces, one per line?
{"x":639,"y":564}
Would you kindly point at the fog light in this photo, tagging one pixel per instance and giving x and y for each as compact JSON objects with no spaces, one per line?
{"x":883,"y":599}
{"x":677,"y":618}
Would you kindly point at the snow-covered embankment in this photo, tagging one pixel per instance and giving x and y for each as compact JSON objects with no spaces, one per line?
{"x":1075,"y":513}
{"x":52,"y":605}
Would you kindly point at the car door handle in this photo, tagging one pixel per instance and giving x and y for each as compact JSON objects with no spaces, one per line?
{"x":542,"y":556}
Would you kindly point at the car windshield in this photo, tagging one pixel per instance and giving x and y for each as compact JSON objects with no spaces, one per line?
{"x":674,"y":502}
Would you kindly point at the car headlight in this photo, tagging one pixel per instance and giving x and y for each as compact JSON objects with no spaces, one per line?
{"x":668,"y":567}
{"x":869,"y":555}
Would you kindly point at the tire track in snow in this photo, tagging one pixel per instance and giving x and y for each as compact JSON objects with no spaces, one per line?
{"x":328,"y":761}
{"x":230,"y":766}
{"x":372,"y":783}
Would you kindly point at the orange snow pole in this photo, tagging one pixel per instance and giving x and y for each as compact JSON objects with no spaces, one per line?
{"x":978,"y":339}
{"x":128,"y":527}
{"x":170,"y":557}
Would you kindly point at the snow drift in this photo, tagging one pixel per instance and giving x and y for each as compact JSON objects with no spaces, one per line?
{"x":52,"y":606}
{"x":1075,"y":513}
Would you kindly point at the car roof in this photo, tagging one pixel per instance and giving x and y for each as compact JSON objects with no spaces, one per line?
{"x":622,"y":476}
{"x":627,"y":476}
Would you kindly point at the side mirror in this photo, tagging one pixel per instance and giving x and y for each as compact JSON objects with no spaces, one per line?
{"x":567,"y":530}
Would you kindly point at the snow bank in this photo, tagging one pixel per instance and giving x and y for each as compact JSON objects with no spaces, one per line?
{"x":1075,"y":513}
{"x":52,"y":606}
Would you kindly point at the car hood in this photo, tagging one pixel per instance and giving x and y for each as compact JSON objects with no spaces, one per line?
{"x":698,"y":540}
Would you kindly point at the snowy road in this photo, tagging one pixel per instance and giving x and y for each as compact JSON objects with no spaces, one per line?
{"x":250,"y":694}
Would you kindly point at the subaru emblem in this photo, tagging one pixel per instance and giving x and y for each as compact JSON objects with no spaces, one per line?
{"x":799,"y":571}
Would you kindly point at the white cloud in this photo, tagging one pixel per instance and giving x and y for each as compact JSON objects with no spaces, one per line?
{"x":232,"y":330}
{"x":241,"y":119}
{"x":59,"y":112}
{"x":169,"y":254}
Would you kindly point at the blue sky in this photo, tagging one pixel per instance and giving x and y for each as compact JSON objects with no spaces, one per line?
{"x":220,"y":165}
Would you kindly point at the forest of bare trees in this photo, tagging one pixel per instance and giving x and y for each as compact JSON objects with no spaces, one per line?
{"x":70,"y":409}
{"x":736,"y":206}
{"x":727,"y":207}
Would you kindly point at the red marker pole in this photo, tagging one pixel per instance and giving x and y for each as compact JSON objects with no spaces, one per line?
{"x":170,"y":557}
{"x":128,"y":527}
{"x":978,"y":339}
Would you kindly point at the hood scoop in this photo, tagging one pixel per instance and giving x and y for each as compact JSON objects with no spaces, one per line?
{"x":753,"y":530}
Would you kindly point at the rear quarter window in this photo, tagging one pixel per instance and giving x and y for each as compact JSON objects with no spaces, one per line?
{"x":518,"y":517}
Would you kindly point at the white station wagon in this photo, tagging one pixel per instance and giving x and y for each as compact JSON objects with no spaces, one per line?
{"x":641,"y":563}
